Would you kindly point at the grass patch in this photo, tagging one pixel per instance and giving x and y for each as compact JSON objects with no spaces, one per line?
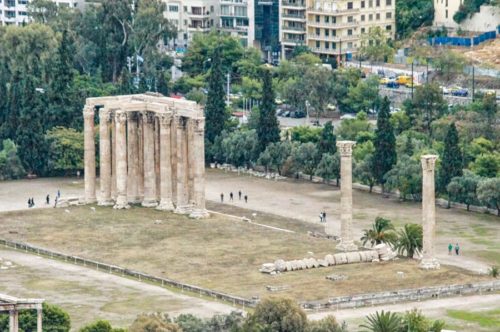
{"x":482,"y":318}
{"x":217,"y":253}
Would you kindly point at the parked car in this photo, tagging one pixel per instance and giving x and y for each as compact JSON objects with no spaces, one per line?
{"x":384,"y":80}
{"x":286,"y":114}
{"x":392,"y":85}
{"x":348,"y":116}
{"x":412,"y":84}
{"x":460,"y":92}
{"x":403,"y":79}
{"x":445,"y":90}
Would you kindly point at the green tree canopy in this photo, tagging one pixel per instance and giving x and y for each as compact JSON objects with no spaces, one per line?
{"x":384,"y":156}
{"x":268,"y":130}
{"x":451,"y":164}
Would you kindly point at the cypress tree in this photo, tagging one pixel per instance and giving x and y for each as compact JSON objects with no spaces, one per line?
{"x":328,"y":141}
{"x":60,"y":110}
{"x":385,"y":143}
{"x":215,"y":109}
{"x":30,"y":137}
{"x":268,"y":130}
{"x":409,"y":145}
{"x":451,"y":163}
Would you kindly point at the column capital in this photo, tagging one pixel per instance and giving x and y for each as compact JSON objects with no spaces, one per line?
{"x":120,"y":117}
{"x":104,"y":115}
{"x":181,"y":122}
{"x":428,"y":162}
{"x":88,"y":112}
{"x":345,"y":148}
{"x":199,"y":125}
{"x":133,"y":116}
{"x":165,"y":119}
{"x":149,"y":116}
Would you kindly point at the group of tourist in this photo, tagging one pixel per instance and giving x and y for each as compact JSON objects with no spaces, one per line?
{"x":231,"y":197}
{"x":322,"y":217}
{"x":31,"y":200}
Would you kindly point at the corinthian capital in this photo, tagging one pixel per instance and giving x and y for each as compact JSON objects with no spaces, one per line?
{"x":166,"y":119}
{"x":149,"y":117}
{"x":345,"y":148}
{"x":88,"y":112}
{"x":104,"y":115}
{"x":428,"y":162}
{"x":120,"y":117}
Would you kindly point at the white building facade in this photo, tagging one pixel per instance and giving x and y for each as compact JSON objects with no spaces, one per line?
{"x":15,"y":12}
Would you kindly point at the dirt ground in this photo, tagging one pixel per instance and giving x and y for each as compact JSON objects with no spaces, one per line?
{"x":486,"y":53}
{"x":89,"y":295}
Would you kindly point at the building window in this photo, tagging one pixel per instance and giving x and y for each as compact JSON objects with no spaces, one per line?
{"x":334,"y":45}
{"x":317,"y":18}
{"x":362,"y":18}
{"x":349,"y":32}
{"x":185,"y":9}
{"x":327,"y":19}
{"x":350,"y":19}
{"x":349,"y":45}
{"x":327,"y":45}
{"x":327,"y":33}
{"x":377,"y":2}
{"x":318,"y":31}
{"x":446,"y":13}
{"x":388,"y":15}
{"x":362,"y":30}
{"x":388,"y":2}
{"x":240,"y":11}
{"x":318,"y":44}
{"x":377,"y":16}
{"x":370,"y":3}
{"x":349,"y":5}
{"x":362,"y":4}
{"x":22,"y":2}
{"x":334,"y":19}
{"x":334,"y":33}
{"x":388,"y":28}
{"x":446,"y":3}
{"x":173,"y":8}
{"x":370,"y":17}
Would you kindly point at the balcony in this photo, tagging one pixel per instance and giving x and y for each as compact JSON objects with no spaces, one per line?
{"x":333,"y":51}
{"x":312,"y":10}
{"x":300,"y":17}
{"x":340,"y":25}
{"x":293,"y":41}
{"x":294,"y":29}
{"x":293,"y":5}
{"x":336,"y":39}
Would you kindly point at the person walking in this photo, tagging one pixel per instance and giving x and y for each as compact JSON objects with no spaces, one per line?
{"x":457,"y":249}
{"x":231,"y":196}
{"x":47,"y":199}
{"x":246,"y":199}
{"x":58,"y":193}
{"x":324,"y":216}
{"x":32,"y":201}
{"x":321,"y":217}
{"x":239,"y":195}
{"x":222,"y":197}
{"x":450,"y":248}
{"x":29,"y":202}
{"x":55,"y":202}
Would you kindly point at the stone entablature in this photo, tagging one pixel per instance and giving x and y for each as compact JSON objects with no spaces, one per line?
{"x":151,"y":151}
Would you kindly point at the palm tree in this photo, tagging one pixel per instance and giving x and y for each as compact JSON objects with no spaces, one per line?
{"x":409,"y":240}
{"x":382,"y":322}
{"x":382,"y":232}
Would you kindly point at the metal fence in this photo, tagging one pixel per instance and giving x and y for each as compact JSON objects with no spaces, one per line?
{"x":464,"y":41}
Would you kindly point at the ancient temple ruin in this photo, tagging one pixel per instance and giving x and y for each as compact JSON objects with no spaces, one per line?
{"x":151,"y":151}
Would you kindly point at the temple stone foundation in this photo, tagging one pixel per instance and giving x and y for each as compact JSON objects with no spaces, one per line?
{"x":346,"y":240}
{"x":429,"y":260}
{"x":151,"y":151}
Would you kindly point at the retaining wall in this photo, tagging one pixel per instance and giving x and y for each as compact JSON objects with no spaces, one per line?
{"x":404,"y":295}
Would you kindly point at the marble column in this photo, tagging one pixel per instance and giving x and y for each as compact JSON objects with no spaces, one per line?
{"x":173,"y":160}
{"x":182,"y":172}
{"x":428,"y":261}
{"x":191,"y":156}
{"x":121,"y":160}
{"x":113,"y":156}
{"x":346,"y":240}
{"x":149,"y":161}
{"x":157,"y":158}
{"x":133,"y":159}
{"x":198,"y":165}
{"x":104,"y":158}
{"x":140,"y":180}
{"x":89,"y":154}
{"x":165,"y":163}
{"x":39,"y":320}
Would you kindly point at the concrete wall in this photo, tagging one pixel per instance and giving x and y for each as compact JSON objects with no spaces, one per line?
{"x":487,"y":19}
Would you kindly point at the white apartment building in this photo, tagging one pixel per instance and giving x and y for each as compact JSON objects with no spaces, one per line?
{"x":190,"y":17}
{"x":16,"y":11}
{"x":237,"y":19}
{"x":487,"y":19}
{"x":333,"y":28}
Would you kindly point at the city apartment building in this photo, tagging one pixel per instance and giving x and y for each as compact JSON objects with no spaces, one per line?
{"x":237,"y":19}
{"x":190,"y":17}
{"x":333,"y":29}
{"x":16,"y":11}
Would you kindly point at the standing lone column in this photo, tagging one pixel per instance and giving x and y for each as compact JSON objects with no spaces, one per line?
{"x":428,"y":212}
{"x":105,"y":158}
{"x":149,"y":161}
{"x":121,"y":160}
{"x":39,"y":317}
{"x":198,"y":147}
{"x":346,"y":241}
{"x":182,"y":172}
{"x":165,"y":164}
{"x":89,"y":154}
{"x":133,"y":159}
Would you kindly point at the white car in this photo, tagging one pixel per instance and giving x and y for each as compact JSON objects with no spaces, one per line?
{"x":347,"y":116}
{"x":445,"y":90}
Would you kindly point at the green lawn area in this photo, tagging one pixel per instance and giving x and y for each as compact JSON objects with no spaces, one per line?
{"x":219,"y":253}
{"x":485,"y":320}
